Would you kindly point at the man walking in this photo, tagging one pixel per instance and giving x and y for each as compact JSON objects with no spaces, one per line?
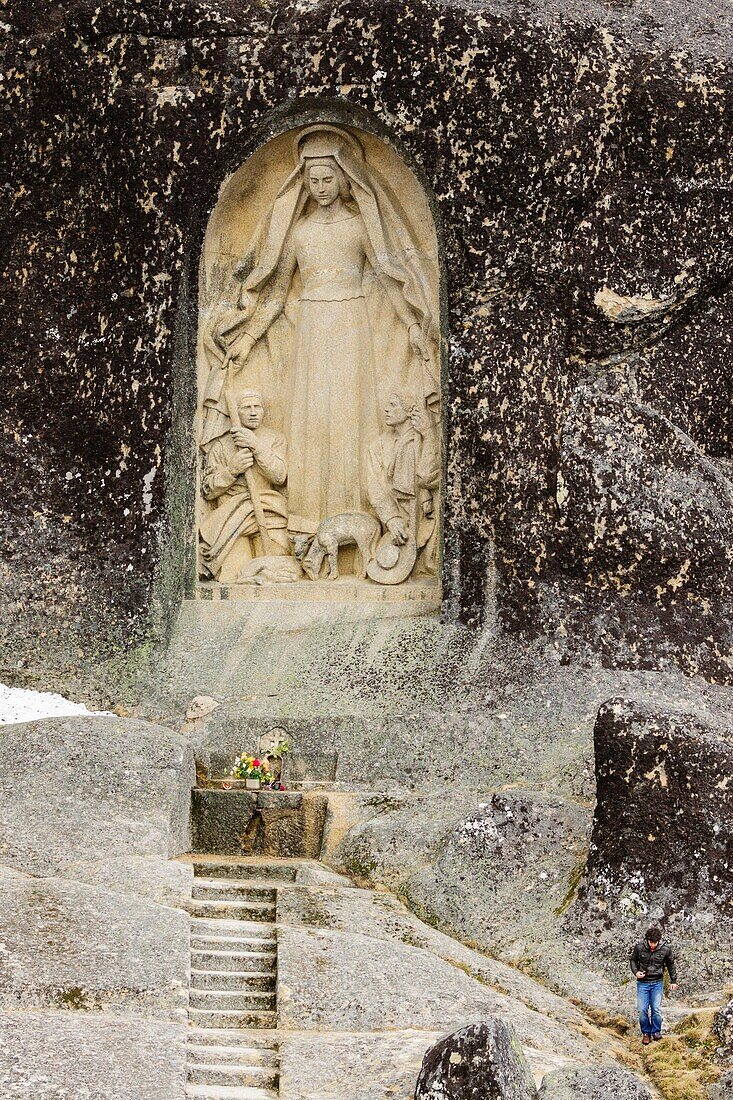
{"x":648,"y":960}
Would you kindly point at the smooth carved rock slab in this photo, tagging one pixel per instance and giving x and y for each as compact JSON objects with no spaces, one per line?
{"x":481,"y":1062}
{"x":67,"y":944}
{"x":77,"y":789}
{"x":360,"y":1065}
{"x":165,"y":881}
{"x":89,"y":1056}
{"x":273,"y":823}
{"x":593,"y":1083}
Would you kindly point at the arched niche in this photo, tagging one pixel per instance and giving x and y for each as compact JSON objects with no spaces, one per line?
{"x":319,"y":375}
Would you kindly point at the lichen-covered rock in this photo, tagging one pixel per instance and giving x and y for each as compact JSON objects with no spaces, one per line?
{"x":578,"y":159}
{"x":70,"y":945}
{"x":642,"y":508}
{"x":593,"y":1083}
{"x":481,"y":1062}
{"x":660,"y":844}
{"x":90,"y":1056}
{"x":723,"y":1032}
{"x":74,"y":790}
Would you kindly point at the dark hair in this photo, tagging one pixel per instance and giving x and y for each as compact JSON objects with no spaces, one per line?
{"x":653,"y":935}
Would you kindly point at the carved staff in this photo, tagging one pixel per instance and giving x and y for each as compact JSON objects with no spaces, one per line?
{"x":249,"y":479}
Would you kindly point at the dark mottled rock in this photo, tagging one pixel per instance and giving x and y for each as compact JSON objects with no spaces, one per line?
{"x":222,"y":821}
{"x":273,"y":823}
{"x":77,"y":790}
{"x":571,"y":151}
{"x":664,"y":810}
{"x":660,"y":849}
{"x":723,"y":1032}
{"x":482,"y":1062}
{"x":593,"y":1083}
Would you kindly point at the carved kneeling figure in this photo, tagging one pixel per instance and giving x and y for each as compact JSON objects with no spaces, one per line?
{"x":347,"y":529}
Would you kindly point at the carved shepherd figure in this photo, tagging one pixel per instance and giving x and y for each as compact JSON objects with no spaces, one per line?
{"x":348,"y":529}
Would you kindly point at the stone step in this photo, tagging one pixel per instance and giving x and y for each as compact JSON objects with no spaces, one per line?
{"x":206,"y":1018}
{"x":274,"y":871}
{"x":231,"y":1001}
{"x":222,"y":1054}
{"x":232,"y":979}
{"x":265,"y":1041}
{"x":232,"y":910}
{"x":267,"y":1077}
{"x":231,"y":890}
{"x":249,"y":962}
{"x":229,"y":1092}
{"x":237,"y":929}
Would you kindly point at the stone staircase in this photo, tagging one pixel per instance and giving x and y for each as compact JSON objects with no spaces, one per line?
{"x":232,"y":1051}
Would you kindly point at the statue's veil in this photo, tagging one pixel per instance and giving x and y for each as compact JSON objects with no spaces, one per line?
{"x":397,"y":254}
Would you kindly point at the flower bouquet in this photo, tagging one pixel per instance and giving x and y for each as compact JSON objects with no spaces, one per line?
{"x":253,"y":771}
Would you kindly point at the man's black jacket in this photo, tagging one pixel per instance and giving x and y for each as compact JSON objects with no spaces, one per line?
{"x":653,"y":962}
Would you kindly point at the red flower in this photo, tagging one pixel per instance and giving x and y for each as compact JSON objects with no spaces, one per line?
{"x":256,"y":764}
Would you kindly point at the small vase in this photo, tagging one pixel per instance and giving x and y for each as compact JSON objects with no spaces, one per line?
{"x":252,"y":785}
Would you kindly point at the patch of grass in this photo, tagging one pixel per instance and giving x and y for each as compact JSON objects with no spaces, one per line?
{"x":607,"y":1020}
{"x":681,"y":1064}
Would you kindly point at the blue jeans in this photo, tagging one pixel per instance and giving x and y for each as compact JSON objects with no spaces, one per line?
{"x":649,"y":1002}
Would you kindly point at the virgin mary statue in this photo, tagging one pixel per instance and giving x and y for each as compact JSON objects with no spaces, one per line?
{"x":333,"y":223}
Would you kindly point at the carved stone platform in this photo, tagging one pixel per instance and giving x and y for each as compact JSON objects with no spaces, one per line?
{"x":425,"y":592}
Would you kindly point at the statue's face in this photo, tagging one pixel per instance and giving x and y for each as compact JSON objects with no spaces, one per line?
{"x":324,"y":182}
{"x":251,"y":412}
{"x":394,"y":414}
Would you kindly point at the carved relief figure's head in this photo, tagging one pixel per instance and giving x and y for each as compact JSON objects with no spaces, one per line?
{"x":397,"y":410}
{"x":301,"y":546}
{"x":251,"y":410}
{"x":325,"y":181}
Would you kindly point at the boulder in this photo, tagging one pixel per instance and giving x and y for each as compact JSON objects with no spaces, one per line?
{"x":481,"y":1062}
{"x":593,"y":1083}
{"x":89,"y":1056}
{"x":86,"y":788}
{"x":70,"y":945}
{"x":723,"y":1032}
{"x":664,"y":812}
{"x":660,"y":848}
{"x":722,"y":1089}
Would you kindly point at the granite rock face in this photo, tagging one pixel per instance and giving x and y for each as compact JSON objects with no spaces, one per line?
{"x":481,"y":1062}
{"x":73,"y":790}
{"x":271,"y":823}
{"x":593,"y":1083}
{"x":660,"y":847}
{"x":50,"y":1055}
{"x":723,"y":1032}
{"x":70,"y":945}
{"x":577,"y":158}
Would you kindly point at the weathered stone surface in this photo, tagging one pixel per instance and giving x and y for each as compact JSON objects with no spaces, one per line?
{"x":593,"y":1083}
{"x":578,"y":161}
{"x":723,"y":1032}
{"x":88,"y":1056}
{"x":77,"y":789}
{"x":163,"y":880}
{"x":376,"y":1065}
{"x":643,"y":512}
{"x":222,"y":821}
{"x":272,"y":823}
{"x":723,"y":1087}
{"x":67,"y":944}
{"x":481,"y":1062}
{"x":660,"y":843}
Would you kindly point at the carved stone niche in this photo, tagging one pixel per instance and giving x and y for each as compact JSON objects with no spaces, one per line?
{"x":319,"y":375}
